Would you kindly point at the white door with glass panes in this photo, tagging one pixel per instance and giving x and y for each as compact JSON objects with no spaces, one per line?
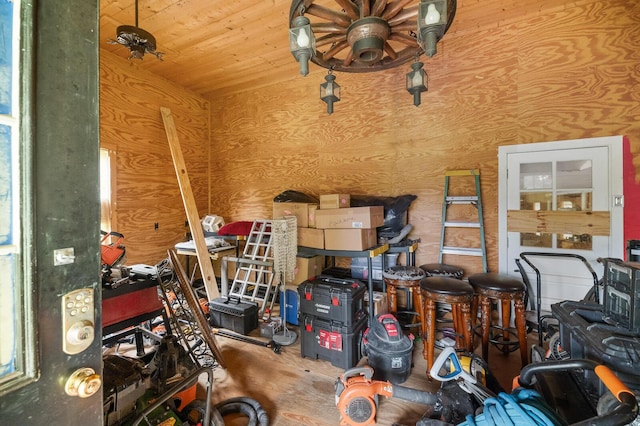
{"x":567,"y":193}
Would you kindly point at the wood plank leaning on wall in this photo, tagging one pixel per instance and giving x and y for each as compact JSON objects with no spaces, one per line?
{"x":206,"y":269}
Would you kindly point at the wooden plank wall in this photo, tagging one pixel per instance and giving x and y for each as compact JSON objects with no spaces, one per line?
{"x":547,"y":73}
{"x":555,"y":74}
{"x":147,"y":191}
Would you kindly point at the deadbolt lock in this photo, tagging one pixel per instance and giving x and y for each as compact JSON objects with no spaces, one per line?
{"x":78,"y":320}
{"x":84,"y":382}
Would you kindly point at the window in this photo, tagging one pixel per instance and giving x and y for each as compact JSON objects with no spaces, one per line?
{"x":560,"y":185}
{"x":17,"y":350}
{"x":107,"y":165}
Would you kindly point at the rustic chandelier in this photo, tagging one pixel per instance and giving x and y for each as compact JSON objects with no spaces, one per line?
{"x":365,"y":36}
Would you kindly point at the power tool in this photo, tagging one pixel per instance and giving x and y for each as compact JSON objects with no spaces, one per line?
{"x":357,"y":396}
{"x":461,"y":392}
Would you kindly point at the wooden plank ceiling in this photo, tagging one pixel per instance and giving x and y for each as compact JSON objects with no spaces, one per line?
{"x":217,"y":47}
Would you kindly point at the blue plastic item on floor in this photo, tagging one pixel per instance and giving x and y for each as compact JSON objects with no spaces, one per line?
{"x":524,"y":407}
{"x":291,"y":309}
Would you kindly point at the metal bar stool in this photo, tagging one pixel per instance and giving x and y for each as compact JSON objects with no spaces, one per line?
{"x":491,"y":287}
{"x":456,"y":293}
{"x":404,"y":277}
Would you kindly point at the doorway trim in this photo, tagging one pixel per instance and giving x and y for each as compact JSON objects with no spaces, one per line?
{"x":615,"y":150}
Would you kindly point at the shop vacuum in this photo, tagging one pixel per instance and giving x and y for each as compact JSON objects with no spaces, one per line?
{"x":389,"y":351}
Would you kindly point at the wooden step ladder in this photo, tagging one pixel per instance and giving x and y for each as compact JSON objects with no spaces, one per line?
{"x":474,"y":200}
{"x":254,"y":275}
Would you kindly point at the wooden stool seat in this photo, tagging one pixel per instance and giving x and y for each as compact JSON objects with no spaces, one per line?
{"x":442,"y":270}
{"x":496,"y":282}
{"x":459,"y":295}
{"x":403,"y":277}
{"x":505,"y":289}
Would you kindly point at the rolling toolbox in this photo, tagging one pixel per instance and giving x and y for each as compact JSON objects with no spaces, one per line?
{"x":335,"y":299}
{"x":332,"y":341}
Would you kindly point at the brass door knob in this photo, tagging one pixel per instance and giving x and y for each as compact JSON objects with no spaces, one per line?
{"x":84,"y":382}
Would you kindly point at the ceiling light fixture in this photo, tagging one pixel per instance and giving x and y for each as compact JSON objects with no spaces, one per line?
{"x":417,"y":81}
{"x":432,"y":24}
{"x":302,"y":42}
{"x":330,"y":91}
{"x":367,"y":35}
{"x":137,"y":40}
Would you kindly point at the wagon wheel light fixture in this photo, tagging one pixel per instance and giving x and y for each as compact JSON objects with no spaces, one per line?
{"x":368,"y":35}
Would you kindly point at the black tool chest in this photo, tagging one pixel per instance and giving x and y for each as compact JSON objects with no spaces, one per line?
{"x":233,"y":314}
{"x":332,"y":298}
{"x":332,"y":319}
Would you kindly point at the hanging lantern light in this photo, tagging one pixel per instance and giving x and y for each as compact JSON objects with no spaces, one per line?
{"x":330,"y":91}
{"x":417,"y":81}
{"x":367,"y":36}
{"x":432,"y":22}
{"x":302,"y":42}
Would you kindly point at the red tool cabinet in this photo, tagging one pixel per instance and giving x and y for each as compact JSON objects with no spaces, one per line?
{"x":126,"y":307}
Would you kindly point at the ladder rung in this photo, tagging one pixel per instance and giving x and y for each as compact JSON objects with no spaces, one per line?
{"x":473,"y":200}
{"x":466,"y":172}
{"x":463,"y":251}
{"x":464,"y":199}
{"x":462,"y":224}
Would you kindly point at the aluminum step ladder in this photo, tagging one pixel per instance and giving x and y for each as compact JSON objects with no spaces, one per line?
{"x":253,"y":280}
{"x":474,"y":200}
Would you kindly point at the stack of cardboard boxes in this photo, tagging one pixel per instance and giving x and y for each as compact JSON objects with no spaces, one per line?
{"x":345,"y":227}
{"x":330,"y":225}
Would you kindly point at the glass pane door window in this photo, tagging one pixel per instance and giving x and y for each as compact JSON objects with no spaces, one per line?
{"x":17,"y":350}
{"x":556,"y":185}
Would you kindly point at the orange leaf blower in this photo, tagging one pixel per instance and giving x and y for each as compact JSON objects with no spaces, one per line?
{"x":357,"y":396}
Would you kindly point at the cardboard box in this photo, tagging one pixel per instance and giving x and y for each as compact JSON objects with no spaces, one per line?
{"x":335,"y":201}
{"x":307,"y":267}
{"x":349,"y":239}
{"x":312,"y":215}
{"x":380,"y":305}
{"x":304,"y":212}
{"x":311,"y":237}
{"x":353,"y":217}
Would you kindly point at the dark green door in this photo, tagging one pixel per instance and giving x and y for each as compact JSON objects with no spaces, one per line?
{"x":50,"y":355}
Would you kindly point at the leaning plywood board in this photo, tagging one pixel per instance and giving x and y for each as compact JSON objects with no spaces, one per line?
{"x":208,"y":275}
